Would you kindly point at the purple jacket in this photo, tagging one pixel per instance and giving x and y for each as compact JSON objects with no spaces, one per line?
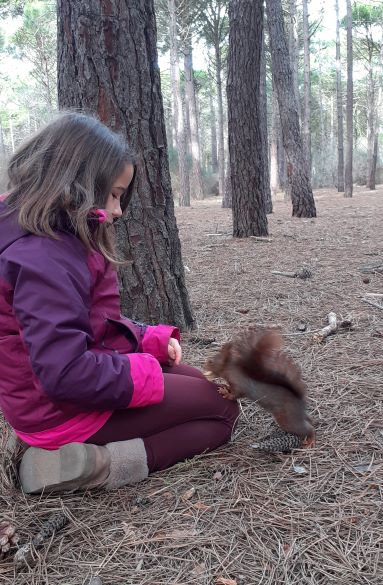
{"x":64,"y":347}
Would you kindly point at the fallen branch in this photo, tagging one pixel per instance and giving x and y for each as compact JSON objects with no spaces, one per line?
{"x":332,"y":327}
{"x":302,"y":273}
{"x":328,"y":330}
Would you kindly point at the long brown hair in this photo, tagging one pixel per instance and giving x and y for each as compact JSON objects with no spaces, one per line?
{"x":62,"y":173}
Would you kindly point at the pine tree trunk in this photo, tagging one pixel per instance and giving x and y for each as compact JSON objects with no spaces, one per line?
{"x":106,"y":71}
{"x":348,"y":185}
{"x":301,"y":191}
{"x":227,"y":199}
{"x":294,"y":47}
{"x":371,"y":123}
{"x":324,"y":146}
{"x":306,"y":126}
{"x":339,"y":106}
{"x":178,"y":110}
{"x":197,"y":184}
{"x":246,"y":146}
{"x":263,"y":128}
{"x":221,"y":139}
{"x":169,"y":124}
{"x":374,"y":160}
{"x":274,"y":171}
{"x":213,"y":126}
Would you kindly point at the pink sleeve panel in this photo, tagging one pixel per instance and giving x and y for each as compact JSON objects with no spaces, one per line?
{"x":156,"y":339}
{"x":147,"y":378}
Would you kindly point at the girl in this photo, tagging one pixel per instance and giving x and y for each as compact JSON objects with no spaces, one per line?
{"x":101,"y":400}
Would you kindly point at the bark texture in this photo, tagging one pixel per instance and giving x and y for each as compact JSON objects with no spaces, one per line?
{"x":246,"y":146}
{"x":179,"y":112}
{"x":300,"y":186}
{"x":306,"y":126}
{"x":348,"y":185}
{"x":107,"y":59}
{"x":339,"y":106}
{"x":195,"y":151}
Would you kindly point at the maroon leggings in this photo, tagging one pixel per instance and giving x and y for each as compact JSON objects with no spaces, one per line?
{"x":191,"y":419}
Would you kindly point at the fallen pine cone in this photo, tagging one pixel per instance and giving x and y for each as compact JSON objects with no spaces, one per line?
{"x":303,"y":273}
{"x":279,"y":443}
{"x":8,"y":538}
{"x":53,"y":524}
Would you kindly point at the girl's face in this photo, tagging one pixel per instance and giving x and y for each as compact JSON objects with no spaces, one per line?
{"x":113,"y":202}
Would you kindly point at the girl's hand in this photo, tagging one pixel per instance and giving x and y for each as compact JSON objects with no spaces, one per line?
{"x":174,"y":351}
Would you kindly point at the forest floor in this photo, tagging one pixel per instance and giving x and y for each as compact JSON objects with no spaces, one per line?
{"x":238,"y":516}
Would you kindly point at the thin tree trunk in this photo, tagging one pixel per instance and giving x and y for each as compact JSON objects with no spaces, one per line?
{"x":169,"y":124}
{"x":374,"y":163}
{"x":246,"y":144}
{"x":324,"y":148}
{"x":179,"y":123}
{"x":115,"y":75}
{"x":274,"y":171}
{"x":263,"y":128}
{"x":282,"y":172}
{"x":306,"y":126}
{"x":221,"y":139}
{"x":197,"y":183}
{"x":227,"y":199}
{"x":348,"y":186}
{"x":371,"y":123}
{"x":301,"y":191}
{"x":339,"y":106}
{"x":294,"y":47}
{"x":213,"y":125}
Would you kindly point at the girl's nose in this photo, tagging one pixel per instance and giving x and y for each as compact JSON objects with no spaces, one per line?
{"x":117,"y":212}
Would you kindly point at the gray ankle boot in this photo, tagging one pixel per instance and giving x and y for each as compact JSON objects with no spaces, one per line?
{"x":80,"y":466}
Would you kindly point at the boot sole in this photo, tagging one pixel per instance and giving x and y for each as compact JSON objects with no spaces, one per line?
{"x":64,"y":469}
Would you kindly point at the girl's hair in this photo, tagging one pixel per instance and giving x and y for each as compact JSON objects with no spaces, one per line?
{"x":63,"y":173}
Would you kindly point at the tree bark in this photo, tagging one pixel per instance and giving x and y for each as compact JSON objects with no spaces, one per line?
{"x":263,"y":127}
{"x":221,"y":138}
{"x":301,"y":191}
{"x":178,"y":111}
{"x":348,"y":186}
{"x":227,"y":199}
{"x":104,"y":70}
{"x":246,"y":145}
{"x":339,"y":106}
{"x":371,"y":120}
{"x":197,"y":184}
{"x":322,"y":163}
{"x":274,"y":171}
{"x":294,"y":47}
{"x":213,"y":125}
{"x":306,"y":126}
{"x":372,"y":167}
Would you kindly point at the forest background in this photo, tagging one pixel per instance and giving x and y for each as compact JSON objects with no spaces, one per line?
{"x":236,"y":516}
{"x":194,"y":51}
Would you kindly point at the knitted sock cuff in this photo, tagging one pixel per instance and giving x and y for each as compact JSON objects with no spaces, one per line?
{"x":128,"y":463}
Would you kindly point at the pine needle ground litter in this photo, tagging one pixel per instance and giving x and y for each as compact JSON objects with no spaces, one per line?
{"x":239,"y":516}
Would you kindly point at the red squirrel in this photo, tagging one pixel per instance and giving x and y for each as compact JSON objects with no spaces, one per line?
{"x":256,"y":367}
